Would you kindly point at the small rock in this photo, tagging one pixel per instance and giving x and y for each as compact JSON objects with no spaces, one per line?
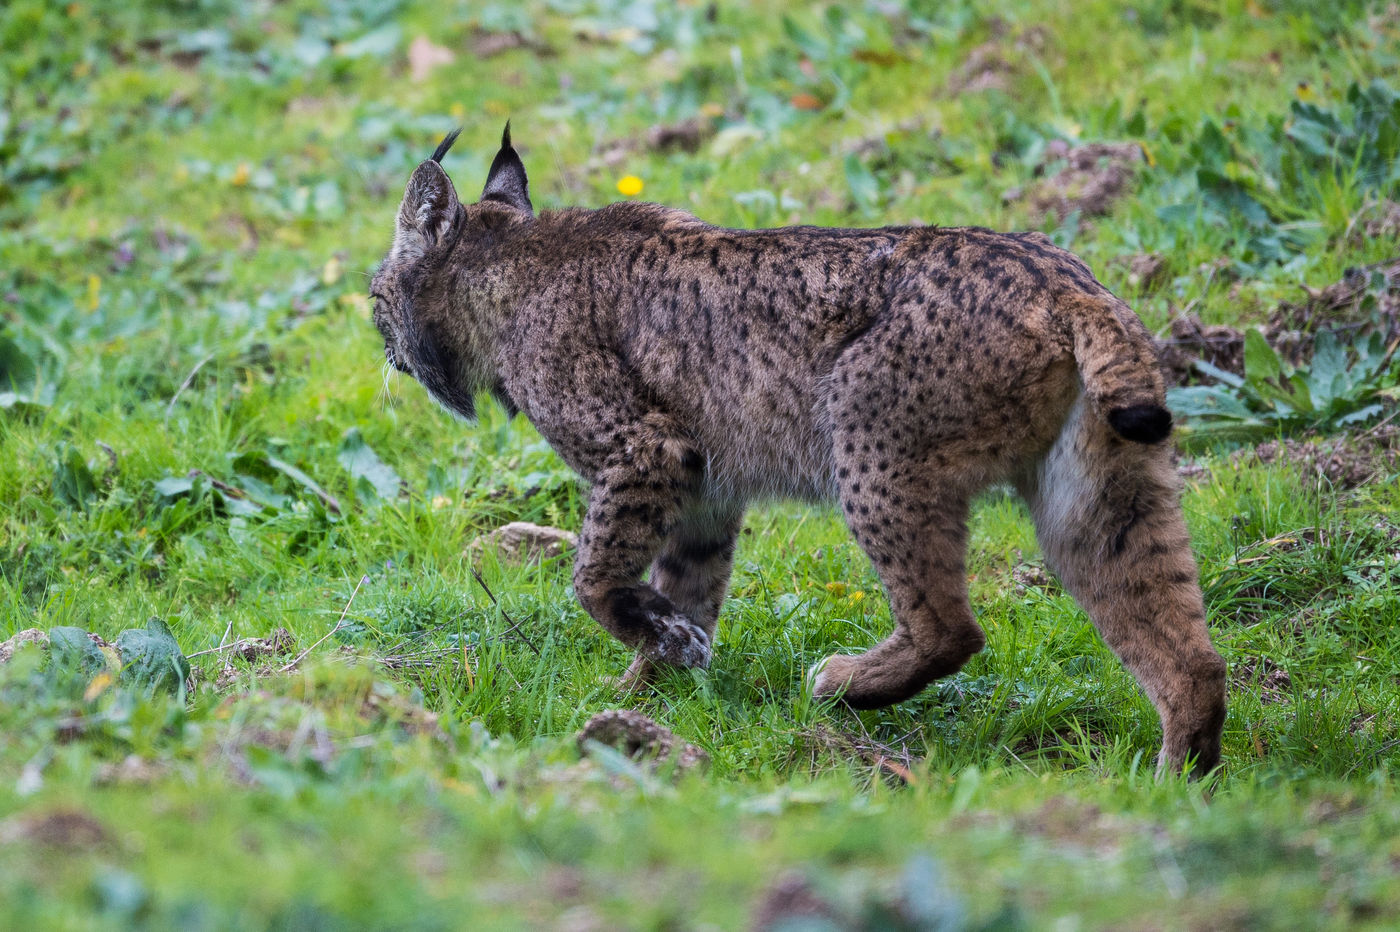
{"x":521,"y":541}
{"x":27,"y":636}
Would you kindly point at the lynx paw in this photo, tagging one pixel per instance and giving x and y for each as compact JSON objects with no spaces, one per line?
{"x":831,"y":676}
{"x":680,"y":643}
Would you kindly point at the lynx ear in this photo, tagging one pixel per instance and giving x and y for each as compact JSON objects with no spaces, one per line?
{"x":506,"y":181}
{"x":429,"y":206}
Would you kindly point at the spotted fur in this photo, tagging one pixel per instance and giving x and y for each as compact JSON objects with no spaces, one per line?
{"x":685,"y":370}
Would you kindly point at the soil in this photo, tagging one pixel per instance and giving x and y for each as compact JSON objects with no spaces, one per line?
{"x":639,"y":738}
{"x":993,"y":67}
{"x":1090,"y":180}
{"x":1347,"y":460}
{"x":791,"y":903}
{"x":1260,"y":673}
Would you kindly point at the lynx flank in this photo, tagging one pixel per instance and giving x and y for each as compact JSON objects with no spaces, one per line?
{"x":685,"y":370}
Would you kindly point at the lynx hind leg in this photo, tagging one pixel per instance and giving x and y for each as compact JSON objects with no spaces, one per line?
{"x":636,"y":502}
{"x":692,"y":570}
{"x":1108,"y":517}
{"x":915,"y":533}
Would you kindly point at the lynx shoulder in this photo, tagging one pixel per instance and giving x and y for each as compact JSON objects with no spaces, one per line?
{"x":685,"y":370}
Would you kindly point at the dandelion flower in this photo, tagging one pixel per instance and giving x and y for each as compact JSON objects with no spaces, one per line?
{"x":630,"y":185}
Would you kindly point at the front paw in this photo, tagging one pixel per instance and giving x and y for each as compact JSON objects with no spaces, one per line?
{"x":831,"y":676}
{"x":680,"y":643}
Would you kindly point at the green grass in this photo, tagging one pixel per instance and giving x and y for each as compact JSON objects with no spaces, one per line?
{"x":192,"y":195}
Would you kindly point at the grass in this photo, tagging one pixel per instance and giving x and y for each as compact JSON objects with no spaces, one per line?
{"x":191,"y":198}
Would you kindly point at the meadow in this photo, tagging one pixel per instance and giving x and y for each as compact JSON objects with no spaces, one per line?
{"x":203,"y":461}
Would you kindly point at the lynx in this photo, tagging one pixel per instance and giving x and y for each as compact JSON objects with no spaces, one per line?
{"x":685,"y":370}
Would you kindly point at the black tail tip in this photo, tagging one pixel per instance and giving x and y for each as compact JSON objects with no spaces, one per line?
{"x":1141,"y":423}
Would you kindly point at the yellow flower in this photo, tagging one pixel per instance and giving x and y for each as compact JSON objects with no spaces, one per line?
{"x":629,"y":185}
{"x":240,"y":175}
{"x":857,"y":596}
{"x":837,"y":589}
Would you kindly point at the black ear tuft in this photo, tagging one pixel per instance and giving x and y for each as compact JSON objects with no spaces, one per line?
{"x":447,"y":142}
{"x":506,"y":182}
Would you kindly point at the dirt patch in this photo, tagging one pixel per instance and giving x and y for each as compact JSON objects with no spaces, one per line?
{"x":70,"y":829}
{"x":521,"y":542}
{"x":279,"y":644}
{"x":791,"y":902}
{"x":685,"y":136}
{"x":1146,"y":271}
{"x":1264,"y":675}
{"x":819,"y":745}
{"x":1034,"y":574}
{"x":1190,"y":340}
{"x":486,"y":44}
{"x":1090,"y":179}
{"x":992,"y":66}
{"x":639,"y":738}
{"x":27,"y":636}
{"x":1043,"y":744}
{"x":1347,"y":461}
{"x":1366,"y":298}
{"x":1384,"y":221}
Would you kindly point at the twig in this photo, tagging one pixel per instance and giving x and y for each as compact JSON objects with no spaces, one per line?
{"x":339,"y":621}
{"x":514,"y":625}
{"x":189,"y":380}
{"x":222,"y":646}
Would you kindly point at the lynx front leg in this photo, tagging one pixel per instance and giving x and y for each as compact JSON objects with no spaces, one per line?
{"x":637,"y":501}
{"x":692,"y":570}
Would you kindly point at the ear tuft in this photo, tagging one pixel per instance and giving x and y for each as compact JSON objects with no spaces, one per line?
{"x":429,"y":208}
{"x":506,"y":182}
{"x":447,"y":142}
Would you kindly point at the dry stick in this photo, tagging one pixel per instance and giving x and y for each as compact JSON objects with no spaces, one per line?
{"x":189,"y":380}
{"x":222,"y":646}
{"x":339,"y":621}
{"x":514,"y":625}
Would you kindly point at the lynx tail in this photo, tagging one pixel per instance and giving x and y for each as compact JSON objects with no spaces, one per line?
{"x":1119,"y":367}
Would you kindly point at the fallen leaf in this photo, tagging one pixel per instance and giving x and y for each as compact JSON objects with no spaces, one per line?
{"x":423,"y":56}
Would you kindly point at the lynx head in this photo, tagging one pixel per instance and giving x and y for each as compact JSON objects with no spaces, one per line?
{"x":421,"y":303}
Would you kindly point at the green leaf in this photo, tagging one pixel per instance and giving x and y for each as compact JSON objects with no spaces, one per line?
{"x":1261,"y":363}
{"x":363,"y":463}
{"x":151,"y":659}
{"x":17,"y":369}
{"x":299,"y":477}
{"x":1206,"y":401}
{"x":73,"y":653}
{"x":174,"y":486}
{"x":1329,"y":363}
{"x":73,"y":483}
{"x":1217,"y":373}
